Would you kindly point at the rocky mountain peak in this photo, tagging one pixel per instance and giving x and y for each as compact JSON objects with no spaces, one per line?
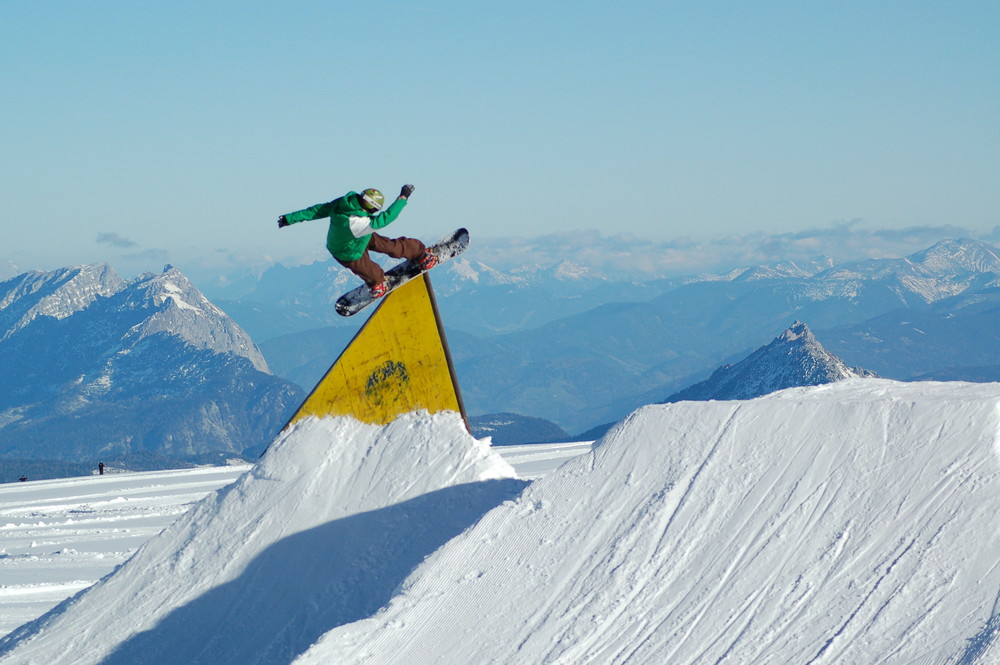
{"x":797,"y":331}
{"x":787,"y":270}
{"x":464,"y":270}
{"x":794,"y":358}
{"x":171,"y":288}
{"x":567,"y":270}
{"x":130,"y":366}
{"x":175,"y":306}
{"x":152,"y":303}
{"x":958,"y":256}
{"x":57,"y":294}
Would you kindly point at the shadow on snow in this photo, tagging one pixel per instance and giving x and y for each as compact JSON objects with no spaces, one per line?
{"x":311,"y":582}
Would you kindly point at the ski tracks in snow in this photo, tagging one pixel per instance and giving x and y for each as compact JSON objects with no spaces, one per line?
{"x":852,"y":523}
{"x":712,"y":545}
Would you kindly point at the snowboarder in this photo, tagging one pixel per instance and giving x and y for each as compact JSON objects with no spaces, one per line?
{"x":354,"y":218}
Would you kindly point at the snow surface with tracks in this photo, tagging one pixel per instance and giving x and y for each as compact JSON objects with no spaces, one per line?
{"x":849,"y":523}
{"x":58,"y":537}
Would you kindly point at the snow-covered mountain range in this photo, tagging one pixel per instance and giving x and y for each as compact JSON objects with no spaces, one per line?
{"x":580,"y":347}
{"x":512,"y":429}
{"x":93,"y":365}
{"x":474,"y":297}
{"x":484,"y":301}
{"x":598,"y":365}
{"x":57,"y":294}
{"x":565,"y":344}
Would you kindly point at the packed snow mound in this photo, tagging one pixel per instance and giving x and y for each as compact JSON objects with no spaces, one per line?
{"x":848,"y":523}
{"x":320,"y":533}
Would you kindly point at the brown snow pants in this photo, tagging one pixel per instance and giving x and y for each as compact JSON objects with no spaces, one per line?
{"x":397,"y":248}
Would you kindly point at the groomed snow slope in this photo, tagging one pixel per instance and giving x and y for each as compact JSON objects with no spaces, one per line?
{"x":321,"y":532}
{"x":60,"y":536}
{"x":848,"y":523}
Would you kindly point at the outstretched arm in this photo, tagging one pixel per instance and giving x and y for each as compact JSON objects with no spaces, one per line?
{"x":318,"y":211}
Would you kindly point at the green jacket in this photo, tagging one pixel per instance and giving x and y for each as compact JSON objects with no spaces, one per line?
{"x":350,"y":225}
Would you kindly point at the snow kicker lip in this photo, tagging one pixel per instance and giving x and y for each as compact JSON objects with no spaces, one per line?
{"x":322,"y":531}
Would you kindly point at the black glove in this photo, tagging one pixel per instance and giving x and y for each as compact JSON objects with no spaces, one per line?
{"x":406,"y":191}
{"x":282,"y":222}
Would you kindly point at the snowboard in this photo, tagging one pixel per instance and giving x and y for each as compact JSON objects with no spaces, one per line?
{"x":446,"y":249}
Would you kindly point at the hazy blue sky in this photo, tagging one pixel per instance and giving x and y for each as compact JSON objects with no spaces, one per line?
{"x":153,"y":129}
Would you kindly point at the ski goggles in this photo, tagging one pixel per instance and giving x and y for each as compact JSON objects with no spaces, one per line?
{"x":369,"y":203}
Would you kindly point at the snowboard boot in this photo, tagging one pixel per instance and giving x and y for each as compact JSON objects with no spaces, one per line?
{"x":427,"y":261}
{"x":379,"y":289}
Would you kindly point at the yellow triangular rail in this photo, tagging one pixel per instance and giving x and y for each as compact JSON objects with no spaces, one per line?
{"x":397,"y":363}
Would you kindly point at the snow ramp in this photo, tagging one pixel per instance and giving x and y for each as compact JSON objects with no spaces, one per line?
{"x":849,"y":523}
{"x":320,"y":533}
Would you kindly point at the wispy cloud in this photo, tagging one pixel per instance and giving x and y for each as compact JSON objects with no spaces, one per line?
{"x":645,"y":258}
{"x":623,"y":255}
{"x":115,"y":240}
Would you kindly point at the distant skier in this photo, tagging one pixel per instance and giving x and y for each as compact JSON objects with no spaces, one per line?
{"x":354,"y":218}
